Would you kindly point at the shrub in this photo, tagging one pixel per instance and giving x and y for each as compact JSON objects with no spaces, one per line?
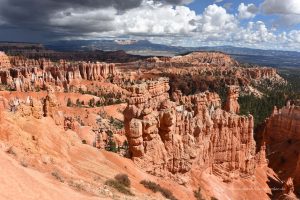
{"x":198,"y":195}
{"x":23,"y":163}
{"x":78,"y":103}
{"x":77,"y":185}
{"x":150,"y":185}
{"x":84,"y":142}
{"x":11,"y":151}
{"x":57,"y":175}
{"x":119,"y":186}
{"x":116,"y":123}
{"x":167,"y":193}
{"x":125,"y":145}
{"x":111,"y":146}
{"x":69,"y":103}
{"x":157,"y":188}
{"x":81,"y":91}
{"x":123,"y":179}
{"x":92,"y":102}
{"x":98,"y":103}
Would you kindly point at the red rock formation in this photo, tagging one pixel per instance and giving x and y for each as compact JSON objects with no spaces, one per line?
{"x":4,"y":60}
{"x":51,"y":107}
{"x":282,"y":137}
{"x":284,"y":124}
{"x":288,"y":190}
{"x":30,"y":108}
{"x":288,"y":186}
{"x":28,"y":74}
{"x":168,"y":138}
{"x":232,"y":104}
{"x":3,"y":106}
{"x":210,"y":58}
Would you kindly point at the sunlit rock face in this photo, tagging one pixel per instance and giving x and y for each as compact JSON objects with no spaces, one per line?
{"x":232,"y":104}
{"x":170,"y":138}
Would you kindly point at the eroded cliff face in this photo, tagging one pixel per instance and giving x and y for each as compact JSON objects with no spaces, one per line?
{"x":169,"y":138}
{"x":23,"y":74}
{"x":281,"y":134}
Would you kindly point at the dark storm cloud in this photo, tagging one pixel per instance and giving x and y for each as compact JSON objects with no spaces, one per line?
{"x":36,"y":15}
{"x":176,"y":2}
{"x":29,"y":11}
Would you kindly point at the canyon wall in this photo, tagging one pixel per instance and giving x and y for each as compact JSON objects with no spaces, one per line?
{"x":281,"y":134}
{"x":169,"y":138}
{"x":29,"y":74}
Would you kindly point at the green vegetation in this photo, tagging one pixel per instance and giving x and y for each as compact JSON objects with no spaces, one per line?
{"x":78,"y":103}
{"x":69,"y":103}
{"x":274,"y":95}
{"x":261,"y":108}
{"x":111,"y":144}
{"x":157,"y":188}
{"x":108,"y":99}
{"x":92,"y":102}
{"x":121,"y":183}
{"x":116,"y":123}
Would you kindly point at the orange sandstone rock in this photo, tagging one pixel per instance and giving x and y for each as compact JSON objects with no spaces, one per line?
{"x":281,"y":134}
{"x":4,"y":60}
{"x":169,"y":139}
{"x":232,"y":104}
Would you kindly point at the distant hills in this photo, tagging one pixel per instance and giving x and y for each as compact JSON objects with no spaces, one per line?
{"x":272,"y":58}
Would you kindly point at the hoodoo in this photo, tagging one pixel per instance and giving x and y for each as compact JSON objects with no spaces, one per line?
{"x":168,"y":138}
{"x":4,"y":60}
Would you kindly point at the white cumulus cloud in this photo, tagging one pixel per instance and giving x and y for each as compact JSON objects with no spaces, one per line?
{"x":175,"y":25}
{"x":216,"y":19}
{"x":247,"y":11}
{"x":148,"y":19}
{"x":256,"y":32}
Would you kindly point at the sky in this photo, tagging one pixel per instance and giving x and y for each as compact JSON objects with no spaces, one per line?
{"x":264,"y":24}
